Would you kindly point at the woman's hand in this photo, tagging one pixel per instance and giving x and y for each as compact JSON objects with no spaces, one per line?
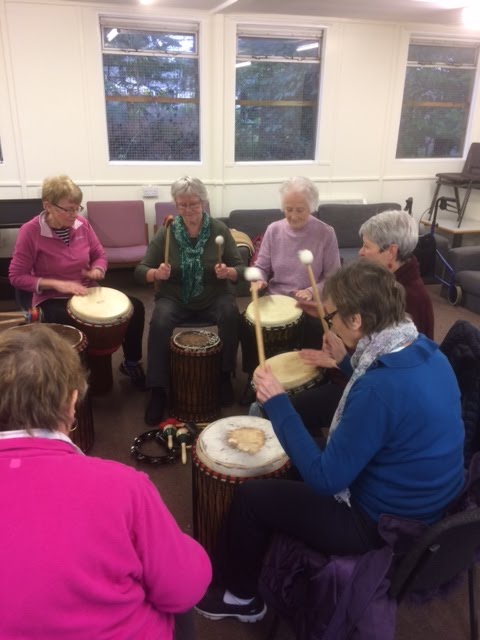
{"x":303,"y":294}
{"x":225,"y":273}
{"x":308,"y":306}
{"x":163,"y":272}
{"x":69,"y":287}
{"x":333,"y":346}
{"x":93,"y":274}
{"x":266,"y":384}
{"x":317,"y":358}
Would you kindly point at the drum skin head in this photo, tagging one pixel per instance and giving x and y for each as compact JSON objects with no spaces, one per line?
{"x":215,"y":451}
{"x":275,"y":311}
{"x":291,"y":371}
{"x":195,"y":340}
{"x":72,"y":335}
{"x":101,"y":305}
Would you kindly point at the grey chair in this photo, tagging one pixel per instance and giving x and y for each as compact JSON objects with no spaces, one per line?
{"x":468,"y":179}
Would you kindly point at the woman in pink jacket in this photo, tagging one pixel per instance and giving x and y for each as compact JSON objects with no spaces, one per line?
{"x":87,"y":547}
{"x":58,"y":255}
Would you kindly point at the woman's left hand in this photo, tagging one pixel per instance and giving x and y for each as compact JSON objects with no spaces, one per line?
{"x":304,"y":294}
{"x":93,"y":274}
{"x":266,"y":384}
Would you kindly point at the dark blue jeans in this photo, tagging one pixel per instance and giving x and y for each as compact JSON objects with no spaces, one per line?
{"x":168,"y":314}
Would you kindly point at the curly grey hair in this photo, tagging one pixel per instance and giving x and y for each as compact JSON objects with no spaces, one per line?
{"x":303,"y":186}
{"x":189,"y":186}
{"x":392,"y":227}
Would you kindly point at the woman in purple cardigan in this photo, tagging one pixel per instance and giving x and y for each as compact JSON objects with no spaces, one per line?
{"x":88,"y":549}
{"x":281,"y":270}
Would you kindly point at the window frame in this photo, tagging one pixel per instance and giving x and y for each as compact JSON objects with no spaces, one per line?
{"x":277,"y":30}
{"x":194,"y":26}
{"x":429,"y":39}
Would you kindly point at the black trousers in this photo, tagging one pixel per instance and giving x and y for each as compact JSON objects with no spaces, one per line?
{"x":55,"y":311}
{"x":168,"y":314}
{"x":263,"y":507}
{"x":317,"y":406}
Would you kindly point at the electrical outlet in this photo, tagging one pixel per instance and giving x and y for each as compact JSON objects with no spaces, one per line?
{"x":149,"y":191}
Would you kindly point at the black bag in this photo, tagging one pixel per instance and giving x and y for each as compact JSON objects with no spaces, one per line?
{"x":426,"y":253}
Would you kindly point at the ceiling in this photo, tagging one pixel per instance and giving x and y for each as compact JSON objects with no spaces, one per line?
{"x":442,"y":12}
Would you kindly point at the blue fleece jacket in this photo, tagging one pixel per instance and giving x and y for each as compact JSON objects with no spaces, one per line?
{"x":399,"y":444}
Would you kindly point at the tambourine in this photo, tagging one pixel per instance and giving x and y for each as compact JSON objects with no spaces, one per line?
{"x":171,"y":455}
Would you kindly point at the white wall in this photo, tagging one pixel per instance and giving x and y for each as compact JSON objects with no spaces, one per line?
{"x":52,"y":112}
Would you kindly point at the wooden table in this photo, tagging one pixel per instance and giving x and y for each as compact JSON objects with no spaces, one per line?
{"x":447,"y":226}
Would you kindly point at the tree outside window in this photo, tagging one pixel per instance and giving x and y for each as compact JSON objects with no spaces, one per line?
{"x":437,"y":97}
{"x":277,"y":89}
{"x":152,"y":94}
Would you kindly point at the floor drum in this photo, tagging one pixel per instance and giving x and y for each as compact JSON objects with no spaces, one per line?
{"x":195,"y":375}
{"x":221,"y":463}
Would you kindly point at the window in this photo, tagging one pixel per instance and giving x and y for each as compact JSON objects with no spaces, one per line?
{"x":276,"y":102}
{"x":437,"y":98}
{"x":152,"y":93}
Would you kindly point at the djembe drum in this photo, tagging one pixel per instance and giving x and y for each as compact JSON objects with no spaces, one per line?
{"x":195,"y":367}
{"x":103,"y":315}
{"x":282,"y":325}
{"x":84,"y":434}
{"x":293,"y":373}
{"x":227,"y":453}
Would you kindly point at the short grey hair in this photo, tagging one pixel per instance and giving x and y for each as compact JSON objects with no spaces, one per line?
{"x":303,"y":186}
{"x":392,"y":227}
{"x":189,"y":186}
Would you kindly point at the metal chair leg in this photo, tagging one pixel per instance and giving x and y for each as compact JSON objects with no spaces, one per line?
{"x":274,"y":628}
{"x":472,"y":605}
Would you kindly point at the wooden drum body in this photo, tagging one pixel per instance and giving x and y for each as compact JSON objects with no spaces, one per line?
{"x":103,"y":315}
{"x":282,"y":327}
{"x":293,"y":373}
{"x":84,"y":434}
{"x":221,"y":463}
{"x":195,"y":368}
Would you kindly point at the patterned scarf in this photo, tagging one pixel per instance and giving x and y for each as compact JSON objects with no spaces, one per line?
{"x":190,"y":256}
{"x":368,"y":350}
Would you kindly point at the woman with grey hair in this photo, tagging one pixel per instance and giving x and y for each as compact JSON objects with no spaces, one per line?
{"x":389,"y":239}
{"x":191,"y":285}
{"x":392,"y":448}
{"x":281,"y":270}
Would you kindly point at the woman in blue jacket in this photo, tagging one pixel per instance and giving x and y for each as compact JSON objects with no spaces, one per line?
{"x":395,"y":445}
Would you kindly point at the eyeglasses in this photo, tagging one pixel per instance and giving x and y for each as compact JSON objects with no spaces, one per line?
{"x":78,"y":209}
{"x":328,"y":318}
{"x":188,"y":207}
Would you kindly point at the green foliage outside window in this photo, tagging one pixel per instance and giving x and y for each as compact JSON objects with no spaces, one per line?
{"x":436,"y":101}
{"x":152,"y":96}
{"x":276,"y":105}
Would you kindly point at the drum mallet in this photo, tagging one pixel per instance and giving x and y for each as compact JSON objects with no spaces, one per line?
{"x":32,"y":315}
{"x":252,"y":274}
{"x":182,"y":437}
{"x":169,"y":429}
{"x":219,"y":240}
{"x":306,"y":258}
{"x":167,"y":222}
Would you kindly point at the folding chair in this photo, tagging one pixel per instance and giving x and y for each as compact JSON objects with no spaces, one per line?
{"x":441,"y":553}
{"x":468,"y":178}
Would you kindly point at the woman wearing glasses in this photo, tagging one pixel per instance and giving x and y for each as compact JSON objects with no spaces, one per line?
{"x":395,"y":445}
{"x":58,"y":255}
{"x":389,"y":239}
{"x":192,"y":285}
